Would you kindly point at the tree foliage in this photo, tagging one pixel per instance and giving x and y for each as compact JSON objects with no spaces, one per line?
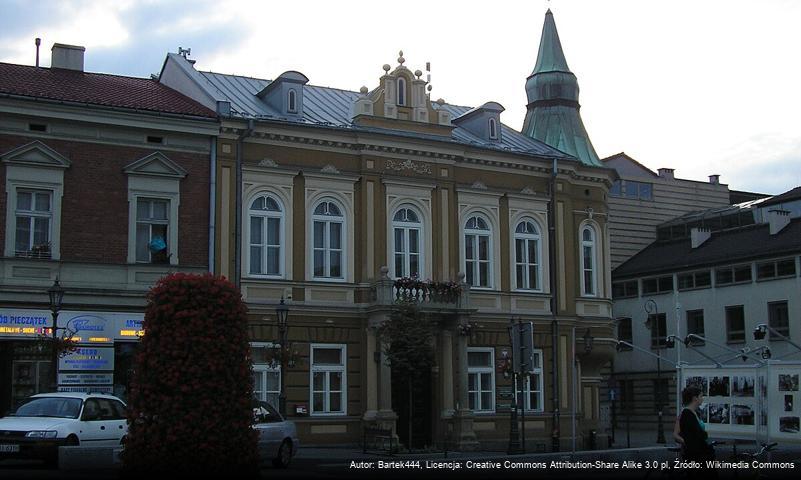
{"x":191,"y":394}
{"x":407,"y":339}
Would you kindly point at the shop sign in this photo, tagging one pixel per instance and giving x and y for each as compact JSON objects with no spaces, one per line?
{"x":87,"y":359}
{"x":105,"y":389}
{"x":85,"y":379}
{"x":24,"y":323}
{"x":86,"y":327}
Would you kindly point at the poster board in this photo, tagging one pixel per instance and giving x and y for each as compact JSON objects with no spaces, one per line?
{"x":753,"y":402}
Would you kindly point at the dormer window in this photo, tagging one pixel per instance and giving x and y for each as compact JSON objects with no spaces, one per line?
{"x":292,"y":102}
{"x":401,"y":91}
{"x":493,"y":129}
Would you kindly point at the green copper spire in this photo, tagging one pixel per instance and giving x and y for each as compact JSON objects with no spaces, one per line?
{"x":550,"y":58}
{"x":553,"y":109}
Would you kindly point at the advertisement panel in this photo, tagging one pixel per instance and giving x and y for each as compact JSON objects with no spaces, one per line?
{"x":88,"y":359}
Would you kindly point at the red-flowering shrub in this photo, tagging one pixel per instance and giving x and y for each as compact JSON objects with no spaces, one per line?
{"x":190,"y":400}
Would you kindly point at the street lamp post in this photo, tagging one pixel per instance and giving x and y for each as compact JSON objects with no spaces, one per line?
{"x":652,"y":309}
{"x":281,"y":313}
{"x":56,"y":293}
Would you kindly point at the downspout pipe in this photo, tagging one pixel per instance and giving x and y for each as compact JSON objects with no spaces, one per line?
{"x":555,"y":441}
{"x":212,"y":204}
{"x":240,"y":142}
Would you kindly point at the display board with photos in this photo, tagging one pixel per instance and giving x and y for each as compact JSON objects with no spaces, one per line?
{"x":785,"y":411}
{"x":753,"y":402}
{"x":733,"y":400}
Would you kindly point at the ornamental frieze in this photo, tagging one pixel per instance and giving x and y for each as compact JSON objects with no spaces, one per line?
{"x":401,"y":165}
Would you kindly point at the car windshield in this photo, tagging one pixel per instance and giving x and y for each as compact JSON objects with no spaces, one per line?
{"x":58,"y":407}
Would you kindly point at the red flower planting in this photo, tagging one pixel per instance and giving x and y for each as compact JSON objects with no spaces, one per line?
{"x":189,"y":408}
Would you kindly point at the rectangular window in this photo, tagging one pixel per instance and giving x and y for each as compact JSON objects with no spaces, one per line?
{"x":152,"y":222}
{"x":779,"y":319}
{"x":695,"y":324}
{"x":625,"y":289}
{"x":657,"y":322}
{"x":328,"y":379}
{"x":776,"y":269}
{"x":735,"y":324}
{"x":481,"y":379}
{"x":615,"y":190}
{"x":731,"y":275}
{"x":34,"y":215}
{"x":624,"y":332}
{"x":657,"y":285}
{"x":266,"y":373}
{"x":693,"y":280}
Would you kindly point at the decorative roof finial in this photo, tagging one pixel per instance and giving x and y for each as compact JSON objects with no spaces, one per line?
{"x":386,"y":67}
{"x":400,"y":57}
{"x":363,"y":90}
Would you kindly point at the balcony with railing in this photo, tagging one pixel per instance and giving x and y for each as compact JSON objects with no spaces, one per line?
{"x":424,"y":293}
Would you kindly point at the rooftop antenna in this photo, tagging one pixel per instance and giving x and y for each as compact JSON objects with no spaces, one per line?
{"x":184,"y":52}
{"x":38,"y":42}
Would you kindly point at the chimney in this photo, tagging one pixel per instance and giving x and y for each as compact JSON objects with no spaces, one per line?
{"x":714,"y":179}
{"x":68,"y":57}
{"x":699,"y":235}
{"x":666,"y":173}
{"x":778,"y":219}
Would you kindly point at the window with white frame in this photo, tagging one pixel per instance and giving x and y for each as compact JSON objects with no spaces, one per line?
{"x":267,"y":383}
{"x":34,"y":214}
{"x":407,"y":239}
{"x":328,"y":232}
{"x":477,"y":249}
{"x":152,"y":224}
{"x":527,"y":255}
{"x":265,"y":236}
{"x":534,"y":396}
{"x":588,"y":253}
{"x":401,"y":91}
{"x":266,"y":373}
{"x":493,"y":129}
{"x":481,"y":379}
{"x":292,"y":101}
{"x":328,"y":379}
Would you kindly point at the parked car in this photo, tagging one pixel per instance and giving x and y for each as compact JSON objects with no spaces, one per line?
{"x":49,"y":420}
{"x":278,"y":438}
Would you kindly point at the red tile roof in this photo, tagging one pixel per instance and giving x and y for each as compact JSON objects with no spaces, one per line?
{"x":96,"y":89}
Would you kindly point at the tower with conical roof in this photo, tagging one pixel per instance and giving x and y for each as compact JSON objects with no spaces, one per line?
{"x":553,"y":110}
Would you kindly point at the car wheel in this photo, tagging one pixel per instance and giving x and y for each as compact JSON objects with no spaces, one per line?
{"x":284,"y":455}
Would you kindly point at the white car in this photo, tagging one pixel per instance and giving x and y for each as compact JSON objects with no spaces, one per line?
{"x":49,"y":420}
{"x":278,"y":438}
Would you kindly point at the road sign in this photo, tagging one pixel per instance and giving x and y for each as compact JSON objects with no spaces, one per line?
{"x":522,"y":332}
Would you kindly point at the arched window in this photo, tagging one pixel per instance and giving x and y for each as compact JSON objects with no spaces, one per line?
{"x":401,"y":91}
{"x":477,"y":249}
{"x":407,"y":238}
{"x":527,"y":255}
{"x":265,"y":237}
{"x":493,"y":129}
{"x":588,"y":262}
{"x":328,"y":231}
{"x":292,"y":102}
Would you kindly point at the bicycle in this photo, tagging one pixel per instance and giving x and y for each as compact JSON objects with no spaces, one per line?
{"x":749,"y":457}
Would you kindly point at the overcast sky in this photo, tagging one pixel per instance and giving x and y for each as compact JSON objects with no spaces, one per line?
{"x":703,"y":86}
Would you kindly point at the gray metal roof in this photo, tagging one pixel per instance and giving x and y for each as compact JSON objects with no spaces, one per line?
{"x":325,"y":106}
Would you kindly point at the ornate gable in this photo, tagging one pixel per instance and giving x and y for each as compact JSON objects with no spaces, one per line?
{"x":36,"y":154}
{"x":156,"y":164}
{"x":400,"y":102}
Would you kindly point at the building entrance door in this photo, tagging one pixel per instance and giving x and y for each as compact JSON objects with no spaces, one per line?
{"x":414,"y":401}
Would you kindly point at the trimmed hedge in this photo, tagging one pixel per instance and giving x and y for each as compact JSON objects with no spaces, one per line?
{"x":190,"y":400}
